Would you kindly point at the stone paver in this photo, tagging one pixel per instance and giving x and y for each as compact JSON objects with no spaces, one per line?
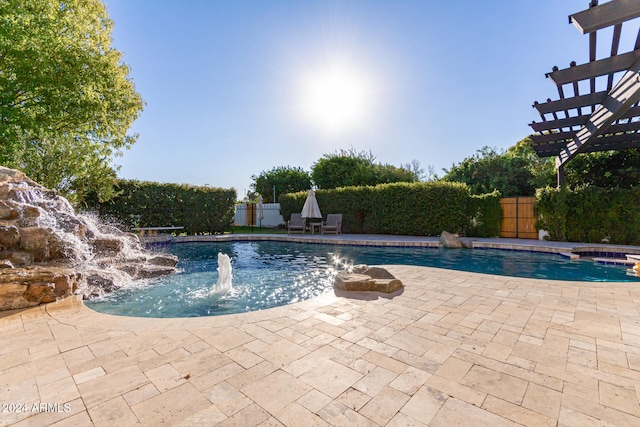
{"x":453,"y":348}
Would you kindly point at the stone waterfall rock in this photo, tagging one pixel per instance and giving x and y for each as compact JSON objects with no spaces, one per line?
{"x":467,"y":243}
{"x":9,"y":236}
{"x":27,"y":287}
{"x":107,"y":247}
{"x":48,"y":252}
{"x":16,"y":257}
{"x":7,"y":212}
{"x":365,"y":278}
{"x":448,"y":240}
{"x":5,"y":263}
{"x":162,"y":260}
{"x":373,"y":272}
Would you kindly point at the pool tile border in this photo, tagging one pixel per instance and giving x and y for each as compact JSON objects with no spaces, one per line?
{"x":567,"y":249}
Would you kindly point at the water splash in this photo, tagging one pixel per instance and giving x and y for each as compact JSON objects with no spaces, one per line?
{"x":225,"y":275}
{"x":51,"y":233}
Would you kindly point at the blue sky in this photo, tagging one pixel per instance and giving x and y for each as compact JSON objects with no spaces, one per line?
{"x":228,"y":84}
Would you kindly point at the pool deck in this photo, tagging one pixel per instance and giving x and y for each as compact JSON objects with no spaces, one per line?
{"x":452,"y":349}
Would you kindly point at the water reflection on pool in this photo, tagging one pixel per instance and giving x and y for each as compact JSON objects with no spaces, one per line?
{"x":270,"y":274}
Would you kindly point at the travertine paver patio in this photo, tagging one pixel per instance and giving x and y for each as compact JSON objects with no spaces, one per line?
{"x":453,"y":348}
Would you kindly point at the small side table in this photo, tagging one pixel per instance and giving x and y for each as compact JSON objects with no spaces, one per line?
{"x":314,"y":226}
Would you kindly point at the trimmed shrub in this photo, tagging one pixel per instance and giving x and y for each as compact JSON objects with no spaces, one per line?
{"x":485,"y":215}
{"x":589,"y":214}
{"x":150,"y":204}
{"x":417,"y":209}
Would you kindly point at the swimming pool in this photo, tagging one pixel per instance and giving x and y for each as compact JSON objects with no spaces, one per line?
{"x":269,"y":274}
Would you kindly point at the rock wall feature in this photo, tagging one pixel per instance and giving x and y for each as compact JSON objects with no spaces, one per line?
{"x":27,"y":287}
{"x":467,"y":243}
{"x":48,"y":252}
{"x":373,"y":272}
{"x":449,"y":240}
{"x":363,"y":278}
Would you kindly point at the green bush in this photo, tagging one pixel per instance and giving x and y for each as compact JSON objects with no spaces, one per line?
{"x":589,"y":214}
{"x":485,"y":215}
{"x":150,"y":204}
{"x":417,"y":209}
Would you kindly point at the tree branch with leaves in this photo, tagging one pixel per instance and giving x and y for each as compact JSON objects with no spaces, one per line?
{"x":67,"y":100}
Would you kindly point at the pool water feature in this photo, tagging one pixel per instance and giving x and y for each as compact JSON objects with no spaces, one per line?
{"x":225,"y":276}
{"x":270,"y":274}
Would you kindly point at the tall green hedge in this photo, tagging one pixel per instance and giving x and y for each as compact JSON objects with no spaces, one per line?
{"x":590,"y":214}
{"x":485,"y":215}
{"x":149,"y":204}
{"x":418,"y":209}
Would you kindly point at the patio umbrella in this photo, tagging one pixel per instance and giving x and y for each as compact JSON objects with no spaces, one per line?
{"x":311,"y":208}
{"x":260,"y":210}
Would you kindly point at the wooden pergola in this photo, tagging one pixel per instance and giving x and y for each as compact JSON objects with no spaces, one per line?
{"x":607,"y":116}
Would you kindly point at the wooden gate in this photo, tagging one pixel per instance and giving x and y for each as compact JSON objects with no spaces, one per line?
{"x":251,"y":214}
{"x":518,"y":218}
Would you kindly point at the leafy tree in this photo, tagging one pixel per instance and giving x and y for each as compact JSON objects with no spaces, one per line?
{"x":77,"y":171}
{"x":542,"y":168}
{"x":416,"y":167}
{"x":351,"y":168}
{"x":66,"y":98}
{"x":343,"y":168}
{"x":515,"y":172}
{"x":285,"y":179}
{"x":386,"y":174}
{"x":519,"y":171}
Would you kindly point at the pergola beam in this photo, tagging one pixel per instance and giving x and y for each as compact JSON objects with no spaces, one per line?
{"x":554,"y":147}
{"x":615,"y":142}
{"x":565,"y":137}
{"x":614,"y":129}
{"x":604,"y":143}
{"x":570,"y":103}
{"x":605,"y":15}
{"x":552,"y":138}
{"x":594,"y":69}
{"x":620,"y":99}
{"x":551,"y":125}
{"x":615,"y":44}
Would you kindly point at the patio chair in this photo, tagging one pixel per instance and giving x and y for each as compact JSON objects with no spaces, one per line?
{"x":333,"y":224}
{"x":296,"y":223}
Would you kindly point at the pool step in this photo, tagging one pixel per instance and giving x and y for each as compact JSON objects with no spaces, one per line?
{"x":570,"y":255}
{"x":614,"y":261}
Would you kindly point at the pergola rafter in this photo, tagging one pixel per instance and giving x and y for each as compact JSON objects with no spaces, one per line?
{"x":599,"y":120}
{"x":598,"y":17}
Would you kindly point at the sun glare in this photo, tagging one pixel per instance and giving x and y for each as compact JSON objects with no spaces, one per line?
{"x":336,"y":99}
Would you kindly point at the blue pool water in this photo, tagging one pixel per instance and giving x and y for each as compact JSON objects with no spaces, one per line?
{"x":270,"y":274}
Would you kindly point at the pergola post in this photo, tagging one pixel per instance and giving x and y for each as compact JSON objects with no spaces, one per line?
{"x":562,"y":181}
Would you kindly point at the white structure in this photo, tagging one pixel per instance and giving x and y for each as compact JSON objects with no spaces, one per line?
{"x":246,"y":214}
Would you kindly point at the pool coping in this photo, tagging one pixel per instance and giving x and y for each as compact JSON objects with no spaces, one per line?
{"x":566,"y":249}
